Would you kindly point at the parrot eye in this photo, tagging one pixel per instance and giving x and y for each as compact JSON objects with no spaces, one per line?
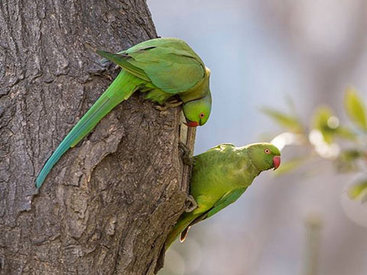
{"x":267,"y":151}
{"x":202,"y":115}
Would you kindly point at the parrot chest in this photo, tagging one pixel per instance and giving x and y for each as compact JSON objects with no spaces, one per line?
{"x":156,"y":95}
{"x":218,"y":180}
{"x":220,"y":171}
{"x":198,"y":91}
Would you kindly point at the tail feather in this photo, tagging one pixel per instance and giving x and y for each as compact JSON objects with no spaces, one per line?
{"x":181,"y":228}
{"x":184,"y":234}
{"x":121,"y":89}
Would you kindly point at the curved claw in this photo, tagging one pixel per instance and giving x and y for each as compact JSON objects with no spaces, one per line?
{"x":191,"y":204}
{"x":161,"y":108}
{"x":168,"y":104}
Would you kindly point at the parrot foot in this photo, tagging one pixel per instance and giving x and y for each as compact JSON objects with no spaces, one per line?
{"x":161,"y":108}
{"x":191,"y":204}
{"x":174,"y":102}
{"x":186,"y":154}
{"x":168,"y":104}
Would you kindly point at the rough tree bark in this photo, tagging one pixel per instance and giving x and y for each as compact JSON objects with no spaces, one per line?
{"x":108,"y":205}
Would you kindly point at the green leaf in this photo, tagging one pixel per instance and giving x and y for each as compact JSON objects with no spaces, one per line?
{"x":283,"y":119}
{"x":328,"y":124}
{"x":321,"y":122}
{"x":352,"y":154}
{"x":347,"y":160}
{"x":358,"y":189}
{"x":290,"y":165}
{"x":345,"y":133}
{"x":355,"y":108}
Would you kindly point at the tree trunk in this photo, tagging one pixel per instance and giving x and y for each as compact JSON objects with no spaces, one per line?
{"x":108,"y":205}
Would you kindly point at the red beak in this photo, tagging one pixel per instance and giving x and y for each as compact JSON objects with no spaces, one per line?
{"x":192,"y":123}
{"x":276,"y":162}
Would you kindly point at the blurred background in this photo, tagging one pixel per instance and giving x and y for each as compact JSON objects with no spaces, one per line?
{"x":264,"y":53}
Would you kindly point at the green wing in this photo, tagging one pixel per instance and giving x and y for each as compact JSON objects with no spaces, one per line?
{"x":223,"y":202}
{"x":226,"y":200}
{"x":170,"y":64}
{"x":122,"y":61}
{"x":189,"y":219}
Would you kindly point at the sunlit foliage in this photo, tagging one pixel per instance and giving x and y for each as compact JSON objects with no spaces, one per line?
{"x":343,"y":144}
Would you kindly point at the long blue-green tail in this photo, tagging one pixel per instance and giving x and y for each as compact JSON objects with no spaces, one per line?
{"x":121,"y":89}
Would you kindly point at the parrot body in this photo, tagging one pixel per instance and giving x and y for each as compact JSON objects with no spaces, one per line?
{"x":161,"y":68}
{"x":220,"y":176}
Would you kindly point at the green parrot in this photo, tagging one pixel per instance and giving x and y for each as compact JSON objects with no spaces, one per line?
{"x":219,"y":177}
{"x":162,"y":68}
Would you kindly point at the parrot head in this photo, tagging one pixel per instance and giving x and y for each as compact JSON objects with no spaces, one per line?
{"x":197,"y":111}
{"x":264,"y":156}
